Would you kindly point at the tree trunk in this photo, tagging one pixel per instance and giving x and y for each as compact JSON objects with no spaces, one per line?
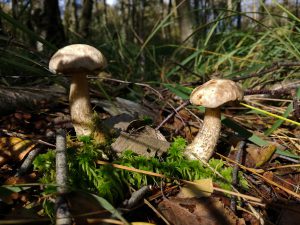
{"x":297,"y":8}
{"x":71,"y":15}
{"x":185,"y":20}
{"x":229,"y":6}
{"x":124,"y":21}
{"x":105,"y":12}
{"x":196,"y":12}
{"x":45,"y":18}
{"x":261,"y":9}
{"x":86,"y":17}
{"x":14,"y":9}
{"x":239,"y":16}
{"x":255,"y":10}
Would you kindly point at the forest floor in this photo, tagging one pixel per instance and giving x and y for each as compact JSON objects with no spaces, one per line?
{"x":271,"y":171}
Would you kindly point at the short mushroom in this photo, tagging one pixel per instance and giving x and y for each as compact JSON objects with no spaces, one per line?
{"x":77,"y":61}
{"x":211,"y":95}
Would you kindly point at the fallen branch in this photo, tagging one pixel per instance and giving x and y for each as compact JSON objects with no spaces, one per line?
{"x":63,"y":216}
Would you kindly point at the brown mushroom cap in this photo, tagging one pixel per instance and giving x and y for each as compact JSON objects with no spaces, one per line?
{"x":216,"y":92}
{"x":77,"y":58}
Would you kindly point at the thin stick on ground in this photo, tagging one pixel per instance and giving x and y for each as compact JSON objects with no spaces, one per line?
{"x":63,"y":216}
{"x":184,"y":104}
{"x":235,"y":172}
{"x":27,"y":162}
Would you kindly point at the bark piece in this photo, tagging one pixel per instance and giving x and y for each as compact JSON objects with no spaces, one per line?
{"x":147,"y":142}
{"x":12,"y":99}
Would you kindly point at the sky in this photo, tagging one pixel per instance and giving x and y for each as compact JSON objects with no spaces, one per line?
{"x":111,"y":2}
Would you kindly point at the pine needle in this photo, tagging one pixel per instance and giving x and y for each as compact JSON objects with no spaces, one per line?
{"x":270,"y":114}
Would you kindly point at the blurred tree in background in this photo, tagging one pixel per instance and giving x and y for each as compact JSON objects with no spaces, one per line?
{"x":146,"y":37}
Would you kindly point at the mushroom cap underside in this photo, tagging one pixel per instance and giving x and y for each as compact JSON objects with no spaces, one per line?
{"x":216,"y":92}
{"x":77,"y":58}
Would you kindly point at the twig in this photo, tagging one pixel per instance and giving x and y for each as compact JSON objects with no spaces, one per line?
{"x":275,"y":66}
{"x":235,"y":172}
{"x":284,"y":166}
{"x":277,"y":92}
{"x":184,"y":104}
{"x":296,"y":105}
{"x":23,"y":136}
{"x":289,"y":158}
{"x":137,"y":196}
{"x":63,"y":216}
{"x":128,"y":82}
{"x":187,"y":69}
{"x":156,"y":212}
{"x":27,"y":162}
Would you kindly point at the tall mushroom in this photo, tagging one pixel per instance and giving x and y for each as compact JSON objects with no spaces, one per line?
{"x":211,"y":95}
{"x":77,"y":61}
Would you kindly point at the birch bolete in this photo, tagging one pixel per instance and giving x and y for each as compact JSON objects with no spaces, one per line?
{"x":78,"y":61}
{"x":211,"y":95}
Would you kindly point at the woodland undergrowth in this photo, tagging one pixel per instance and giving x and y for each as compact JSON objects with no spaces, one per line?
{"x":113,"y":184}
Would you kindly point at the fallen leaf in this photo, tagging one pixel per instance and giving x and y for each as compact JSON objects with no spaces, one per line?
{"x":289,"y":215}
{"x":200,"y":188}
{"x":187,"y":211}
{"x":14,"y":148}
{"x":261,"y":155}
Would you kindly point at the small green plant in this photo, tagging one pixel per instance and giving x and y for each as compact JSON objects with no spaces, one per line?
{"x":113,"y":184}
{"x":176,"y":166}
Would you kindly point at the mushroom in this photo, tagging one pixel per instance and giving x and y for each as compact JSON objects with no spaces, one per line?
{"x":211,"y":95}
{"x":77,"y":61}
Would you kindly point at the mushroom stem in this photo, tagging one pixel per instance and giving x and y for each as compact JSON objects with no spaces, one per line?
{"x":204,"y":143}
{"x":80,"y":107}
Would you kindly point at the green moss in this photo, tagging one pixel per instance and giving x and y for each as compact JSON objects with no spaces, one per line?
{"x":112,"y":183}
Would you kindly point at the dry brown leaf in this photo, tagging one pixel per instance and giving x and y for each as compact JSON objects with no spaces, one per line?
{"x":261,"y":155}
{"x":208,"y":211}
{"x":14,"y":148}
{"x":200,"y":188}
{"x":290,"y":215}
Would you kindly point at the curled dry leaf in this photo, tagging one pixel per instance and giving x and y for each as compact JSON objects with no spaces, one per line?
{"x":261,"y":155}
{"x":14,"y":148}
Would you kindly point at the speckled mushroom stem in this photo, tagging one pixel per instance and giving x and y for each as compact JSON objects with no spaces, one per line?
{"x":81,"y":110}
{"x":204,"y":143}
{"x":80,"y":106}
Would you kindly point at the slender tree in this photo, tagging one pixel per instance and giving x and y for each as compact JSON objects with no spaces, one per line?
{"x":184,"y":20}
{"x":14,"y":8}
{"x":85,"y":19}
{"x":239,"y":16}
{"x":297,"y":8}
{"x":46,"y":21}
{"x":71,"y":15}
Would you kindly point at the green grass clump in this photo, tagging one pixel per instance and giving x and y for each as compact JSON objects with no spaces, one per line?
{"x":113,"y":184}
